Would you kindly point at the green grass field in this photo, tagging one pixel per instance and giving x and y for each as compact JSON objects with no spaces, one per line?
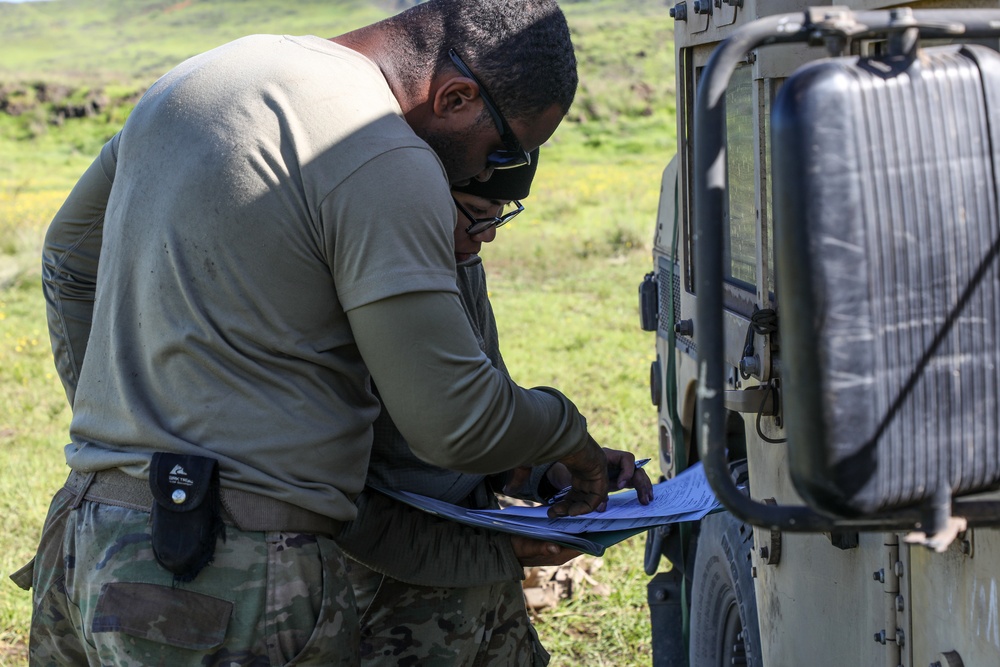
{"x":563,"y":276}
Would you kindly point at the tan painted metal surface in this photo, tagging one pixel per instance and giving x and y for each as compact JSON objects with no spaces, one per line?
{"x":882,"y":602}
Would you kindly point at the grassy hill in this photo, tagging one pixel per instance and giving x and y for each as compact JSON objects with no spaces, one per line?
{"x":89,"y":60}
{"x":563,"y":276}
{"x":123,"y":41}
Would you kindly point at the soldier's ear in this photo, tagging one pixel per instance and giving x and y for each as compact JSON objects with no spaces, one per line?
{"x":457,"y":96}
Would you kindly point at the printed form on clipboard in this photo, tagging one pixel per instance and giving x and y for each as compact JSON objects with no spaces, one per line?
{"x":687,"y":497}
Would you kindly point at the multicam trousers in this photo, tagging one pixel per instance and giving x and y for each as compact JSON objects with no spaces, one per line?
{"x":403,"y":625}
{"x":100,"y":597}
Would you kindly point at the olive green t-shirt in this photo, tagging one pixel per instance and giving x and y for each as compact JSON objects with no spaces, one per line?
{"x":274,"y":231}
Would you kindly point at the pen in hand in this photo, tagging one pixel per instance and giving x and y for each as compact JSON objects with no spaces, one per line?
{"x":612,"y":475}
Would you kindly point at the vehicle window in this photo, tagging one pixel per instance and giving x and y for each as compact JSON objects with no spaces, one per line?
{"x":741,"y":235}
{"x":771,"y":87}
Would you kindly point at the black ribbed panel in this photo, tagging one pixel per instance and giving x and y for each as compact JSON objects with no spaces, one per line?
{"x":670,"y":290}
{"x":893,"y":217}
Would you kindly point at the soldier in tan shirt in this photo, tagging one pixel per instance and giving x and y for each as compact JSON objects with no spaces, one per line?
{"x":277,"y":230}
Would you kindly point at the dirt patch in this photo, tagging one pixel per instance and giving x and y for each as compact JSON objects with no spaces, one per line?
{"x":54,"y":104}
{"x":178,"y":7}
{"x":13,"y":654}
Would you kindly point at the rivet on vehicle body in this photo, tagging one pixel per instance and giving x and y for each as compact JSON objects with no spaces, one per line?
{"x":965,"y":542}
{"x":948,"y":659}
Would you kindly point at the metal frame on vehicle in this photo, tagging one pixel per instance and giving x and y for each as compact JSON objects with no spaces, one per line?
{"x":823,"y":586}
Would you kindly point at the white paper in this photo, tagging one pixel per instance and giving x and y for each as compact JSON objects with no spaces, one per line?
{"x":687,"y":497}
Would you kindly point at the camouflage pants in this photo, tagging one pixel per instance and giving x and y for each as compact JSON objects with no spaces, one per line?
{"x":403,"y":625}
{"x":100,"y":597}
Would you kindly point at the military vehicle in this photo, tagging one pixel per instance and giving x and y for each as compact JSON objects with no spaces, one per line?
{"x":825,"y":294}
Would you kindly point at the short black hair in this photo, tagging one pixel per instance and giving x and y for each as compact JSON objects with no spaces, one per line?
{"x":520,"y":50}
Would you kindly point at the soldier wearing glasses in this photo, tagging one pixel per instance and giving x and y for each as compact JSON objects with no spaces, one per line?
{"x":429,"y":590}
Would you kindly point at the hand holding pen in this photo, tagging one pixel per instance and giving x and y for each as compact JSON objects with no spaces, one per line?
{"x":619,"y":481}
{"x":586,"y":471}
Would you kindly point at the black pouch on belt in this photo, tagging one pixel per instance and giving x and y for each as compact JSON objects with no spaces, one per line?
{"x":186,"y":512}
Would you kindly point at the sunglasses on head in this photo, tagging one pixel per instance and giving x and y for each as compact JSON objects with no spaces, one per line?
{"x":513,"y":155}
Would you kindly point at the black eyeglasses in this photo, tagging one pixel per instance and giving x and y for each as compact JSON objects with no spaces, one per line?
{"x":480,"y":225}
{"x":514,"y":154}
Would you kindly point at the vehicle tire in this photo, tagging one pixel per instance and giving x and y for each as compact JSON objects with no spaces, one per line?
{"x":724,"y":625}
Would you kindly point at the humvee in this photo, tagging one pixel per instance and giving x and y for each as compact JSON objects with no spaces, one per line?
{"x":825,"y":293}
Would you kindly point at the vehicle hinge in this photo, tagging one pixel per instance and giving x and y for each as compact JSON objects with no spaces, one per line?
{"x":892,"y":635}
{"x":770,"y":543}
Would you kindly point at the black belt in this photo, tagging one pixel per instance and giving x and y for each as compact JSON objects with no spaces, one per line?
{"x":246,"y":510}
